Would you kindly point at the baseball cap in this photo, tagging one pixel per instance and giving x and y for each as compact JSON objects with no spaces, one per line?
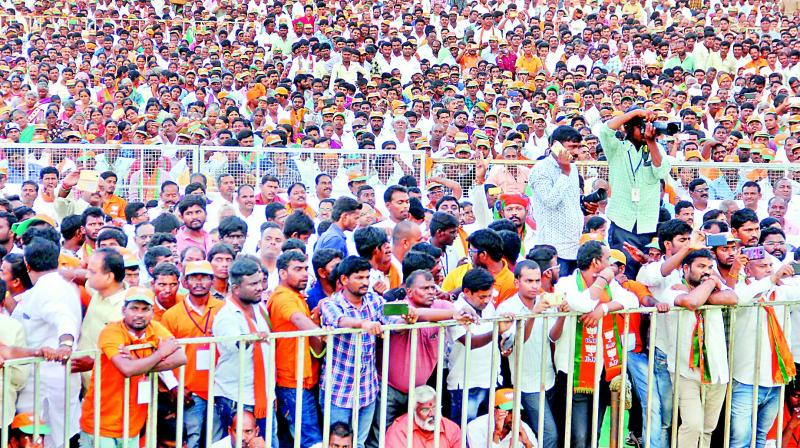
{"x":618,"y":256}
{"x":139,"y":294}
{"x":198,"y":267}
{"x":24,"y":422}
{"x":12,"y":127}
{"x":504,"y":399}
{"x":19,"y":228}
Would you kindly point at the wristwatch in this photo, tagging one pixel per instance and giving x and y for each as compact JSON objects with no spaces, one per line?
{"x":605,"y":309}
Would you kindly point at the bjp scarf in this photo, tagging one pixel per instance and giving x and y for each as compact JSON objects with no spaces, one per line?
{"x":586,"y":347}
{"x":783,"y":369}
{"x":259,"y":376}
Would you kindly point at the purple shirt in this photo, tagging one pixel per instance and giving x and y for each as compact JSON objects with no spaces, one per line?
{"x":427,"y":352}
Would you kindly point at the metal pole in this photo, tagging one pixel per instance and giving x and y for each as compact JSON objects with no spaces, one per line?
{"x":412,"y":381}
{"x":384,"y":388}
{"x":756,"y":373}
{"x":492,"y":381}
{"x":518,"y":343}
{"x":67,"y":401}
{"x":326,"y":408}
{"x":179,"y":415}
{"x":437,"y":419}
{"x":298,"y":393}
{"x":357,"y":381}
{"x":543,"y":361}
{"x":621,"y":416}
{"x":465,"y":387}
{"x":779,"y":433}
{"x":726,"y":436}
{"x":676,"y":380}
{"x":651,"y":362}
{"x":4,"y":435}
{"x":599,"y":355}
{"x":212,"y":353}
{"x":126,"y":413}
{"x":240,"y":396}
{"x":569,"y":323}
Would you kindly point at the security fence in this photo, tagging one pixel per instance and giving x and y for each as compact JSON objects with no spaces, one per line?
{"x":141,"y":169}
{"x":618,"y":403}
{"x":722,"y":175}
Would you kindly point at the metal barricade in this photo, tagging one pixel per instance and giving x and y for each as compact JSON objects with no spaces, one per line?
{"x":520,"y":365}
{"x":141,"y":169}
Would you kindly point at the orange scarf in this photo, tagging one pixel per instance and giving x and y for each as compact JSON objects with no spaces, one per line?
{"x":783,"y":369}
{"x":698,"y":352}
{"x":259,"y":377}
{"x":586,"y":347}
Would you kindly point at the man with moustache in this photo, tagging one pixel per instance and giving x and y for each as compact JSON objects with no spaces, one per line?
{"x":424,"y":425}
{"x":774,"y":241}
{"x":288,"y":311}
{"x":192,"y":210}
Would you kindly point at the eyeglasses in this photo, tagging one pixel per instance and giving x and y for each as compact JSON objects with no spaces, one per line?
{"x":774,"y":243}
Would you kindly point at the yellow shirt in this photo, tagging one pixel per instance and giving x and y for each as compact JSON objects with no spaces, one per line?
{"x":503,"y":282}
{"x":100,"y":312}
{"x":533,"y":64}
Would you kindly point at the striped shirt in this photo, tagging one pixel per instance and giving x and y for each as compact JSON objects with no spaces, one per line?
{"x":344,"y":350}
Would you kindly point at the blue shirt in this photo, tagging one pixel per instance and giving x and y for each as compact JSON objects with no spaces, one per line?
{"x":333,"y":238}
{"x":315,"y":295}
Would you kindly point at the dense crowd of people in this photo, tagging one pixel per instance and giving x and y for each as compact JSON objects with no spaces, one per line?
{"x":171,"y":170}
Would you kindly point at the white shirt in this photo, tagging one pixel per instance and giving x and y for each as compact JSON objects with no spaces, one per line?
{"x":744,"y":354}
{"x":714,"y":338}
{"x":650,"y":276}
{"x":480,"y":370}
{"x":532,"y":354}
{"x":477,"y":433}
{"x":582,"y":302}
{"x":231,"y":321}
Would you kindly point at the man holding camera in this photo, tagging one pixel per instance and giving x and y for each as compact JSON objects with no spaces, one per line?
{"x":636,"y":167}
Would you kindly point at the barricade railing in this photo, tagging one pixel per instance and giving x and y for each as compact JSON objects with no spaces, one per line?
{"x":141,"y":169}
{"x":519,"y":366}
{"x":682,"y":173}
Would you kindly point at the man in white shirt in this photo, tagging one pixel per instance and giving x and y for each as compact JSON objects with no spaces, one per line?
{"x":675,"y":240}
{"x":250,"y":434}
{"x":478,"y":292}
{"x":536,"y":378}
{"x":763,"y":284}
{"x":702,"y":364}
{"x":50,"y":320}
{"x":592,"y":291}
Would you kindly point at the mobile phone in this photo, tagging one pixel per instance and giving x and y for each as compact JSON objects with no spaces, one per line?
{"x":754,"y":253}
{"x":796,"y":267}
{"x":554,"y":299}
{"x":395,"y":309}
{"x":749,"y":96}
{"x":557,"y":148}
{"x":507,"y":342}
{"x":717,"y":240}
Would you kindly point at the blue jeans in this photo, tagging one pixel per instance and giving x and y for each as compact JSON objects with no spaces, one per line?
{"x":309,"y":430}
{"x":225,"y":410}
{"x":661,"y":405}
{"x":86,"y":440}
{"x":581,"y":431}
{"x":530,"y":408}
{"x":477,"y":397}
{"x":345,"y":415}
{"x":742,"y":413}
{"x":194,"y":421}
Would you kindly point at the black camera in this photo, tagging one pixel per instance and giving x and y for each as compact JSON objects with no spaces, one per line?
{"x":596,"y":196}
{"x":664,"y":127}
{"x":592,"y":198}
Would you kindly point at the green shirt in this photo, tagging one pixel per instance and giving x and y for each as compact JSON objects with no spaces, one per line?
{"x":623,"y":160}
{"x":687,"y":64}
